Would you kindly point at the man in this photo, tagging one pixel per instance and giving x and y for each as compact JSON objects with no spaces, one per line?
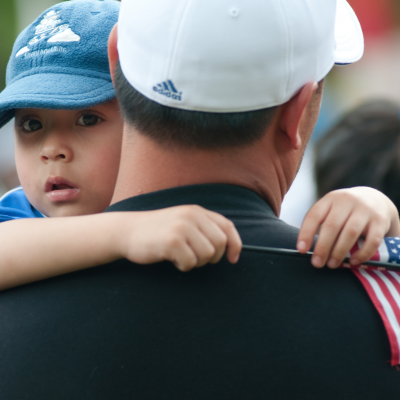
{"x":219,"y":101}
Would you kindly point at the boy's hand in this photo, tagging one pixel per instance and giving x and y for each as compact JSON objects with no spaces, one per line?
{"x":189,"y":236}
{"x":343,"y":216}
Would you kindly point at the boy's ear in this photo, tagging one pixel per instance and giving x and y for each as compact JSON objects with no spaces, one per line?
{"x":293,"y":112}
{"x":113,"y":56}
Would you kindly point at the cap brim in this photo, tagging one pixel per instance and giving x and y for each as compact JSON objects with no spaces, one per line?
{"x":55,"y":91}
{"x":348,"y":35}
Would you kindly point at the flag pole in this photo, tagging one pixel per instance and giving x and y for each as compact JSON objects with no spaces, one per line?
{"x":294,"y":253}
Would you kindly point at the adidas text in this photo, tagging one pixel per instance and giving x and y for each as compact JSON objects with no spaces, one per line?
{"x":168,"y":89}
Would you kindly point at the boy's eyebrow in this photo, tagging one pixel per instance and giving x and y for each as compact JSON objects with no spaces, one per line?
{"x":25,"y":112}
{"x":113,"y":103}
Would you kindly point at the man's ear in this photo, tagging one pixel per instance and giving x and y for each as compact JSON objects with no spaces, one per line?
{"x":293,"y":111}
{"x":113,"y":56}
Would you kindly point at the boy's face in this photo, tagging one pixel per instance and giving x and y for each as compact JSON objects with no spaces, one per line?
{"x":68,"y":160}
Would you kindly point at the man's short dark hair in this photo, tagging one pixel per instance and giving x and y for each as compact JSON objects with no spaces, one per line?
{"x":173,"y":126}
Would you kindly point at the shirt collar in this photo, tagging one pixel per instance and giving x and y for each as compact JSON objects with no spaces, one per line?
{"x":222,"y":198}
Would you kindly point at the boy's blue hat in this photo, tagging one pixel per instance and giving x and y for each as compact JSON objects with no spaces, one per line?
{"x":60,"y":61}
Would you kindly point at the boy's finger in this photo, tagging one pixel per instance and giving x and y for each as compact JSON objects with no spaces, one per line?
{"x":373,"y":239}
{"x":183,"y":257}
{"x":329,"y":232}
{"x":310,"y":225}
{"x":202,"y":246}
{"x":234,"y":247}
{"x":233,"y":243}
{"x":217,"y":238}
{"x":347,"y":238}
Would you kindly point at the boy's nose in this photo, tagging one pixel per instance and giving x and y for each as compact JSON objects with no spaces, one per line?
{"x":56,"y":153}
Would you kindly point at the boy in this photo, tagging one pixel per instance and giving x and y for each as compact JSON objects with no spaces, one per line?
{"x":68,"y":138}
{"x":67,"y":160}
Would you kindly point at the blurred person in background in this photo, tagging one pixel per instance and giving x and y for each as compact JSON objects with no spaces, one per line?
{"x":362,"y":149}
{"x":346,"y":88}
{"x":380,"y":21}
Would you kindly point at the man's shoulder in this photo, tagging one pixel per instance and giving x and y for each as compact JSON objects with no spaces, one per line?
{"x":15,"y":205}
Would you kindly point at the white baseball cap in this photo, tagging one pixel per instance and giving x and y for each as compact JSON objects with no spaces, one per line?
{"x":233,"y":55}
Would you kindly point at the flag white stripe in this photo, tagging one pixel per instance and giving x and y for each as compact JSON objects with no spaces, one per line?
{"x":395,"y":276}
{"x":391,"y":288}
{"x":385,"y":304}
{"x":383,"y":252}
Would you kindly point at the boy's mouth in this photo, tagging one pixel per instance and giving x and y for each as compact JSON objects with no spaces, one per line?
{"x":61,"y":187}
{"x":58,"y":189}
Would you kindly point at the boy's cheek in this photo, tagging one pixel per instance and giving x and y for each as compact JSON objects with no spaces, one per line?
{"x":23,"y":166}
{"x":27,"y":170}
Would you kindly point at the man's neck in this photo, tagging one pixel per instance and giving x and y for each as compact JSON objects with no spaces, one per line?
{"x":148,"y":167}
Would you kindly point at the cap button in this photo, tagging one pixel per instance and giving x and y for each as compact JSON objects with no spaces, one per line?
{"x":234,"y":12}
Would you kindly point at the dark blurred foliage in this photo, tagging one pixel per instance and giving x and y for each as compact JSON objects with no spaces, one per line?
{"x":8,"y":33}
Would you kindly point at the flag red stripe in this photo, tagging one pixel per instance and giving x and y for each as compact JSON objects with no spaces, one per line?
{"x":393,"y":340}
{"x":358,"y":245}
{"x":396,"y":310}
{"x":387,"y":293}
{"x":376,"y":257}
{"x":395,"y":283}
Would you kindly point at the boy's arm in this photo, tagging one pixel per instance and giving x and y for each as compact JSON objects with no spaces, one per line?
{"x":188,"y":236}
{"x":343,"y":216}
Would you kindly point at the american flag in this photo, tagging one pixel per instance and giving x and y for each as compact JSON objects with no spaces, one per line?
{"x":383,"y":288}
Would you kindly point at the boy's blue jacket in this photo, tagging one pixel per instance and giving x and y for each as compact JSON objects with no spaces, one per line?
{"x":15,"y":205}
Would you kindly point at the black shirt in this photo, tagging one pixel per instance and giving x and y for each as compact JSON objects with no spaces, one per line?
{"x":269,"y":327}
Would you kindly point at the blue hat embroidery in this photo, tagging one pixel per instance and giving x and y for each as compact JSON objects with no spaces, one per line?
{"x":48,"y":30}
{"x":60,"y":60}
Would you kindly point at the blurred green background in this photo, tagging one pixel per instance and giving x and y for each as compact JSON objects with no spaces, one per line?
{"x":15,"y":15}
{"x":8,"y":30}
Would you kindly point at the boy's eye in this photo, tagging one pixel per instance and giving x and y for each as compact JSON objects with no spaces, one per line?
{"x":88,"y":120}
{"x":32,"y":125}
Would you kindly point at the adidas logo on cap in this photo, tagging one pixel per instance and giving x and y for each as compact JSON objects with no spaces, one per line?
{"x":168,"y":89}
